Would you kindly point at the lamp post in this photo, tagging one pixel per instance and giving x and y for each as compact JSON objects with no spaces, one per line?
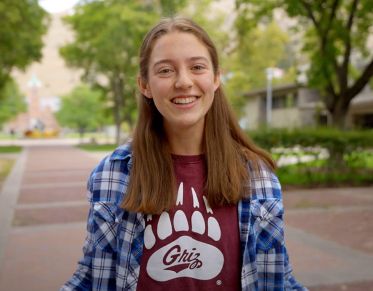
{"x":269,"y":74}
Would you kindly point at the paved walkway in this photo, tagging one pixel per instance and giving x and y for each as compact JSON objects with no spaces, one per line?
{"x":43,"y":209}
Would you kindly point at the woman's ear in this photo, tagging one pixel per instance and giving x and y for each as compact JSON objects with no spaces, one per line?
{"x":143,"y":87}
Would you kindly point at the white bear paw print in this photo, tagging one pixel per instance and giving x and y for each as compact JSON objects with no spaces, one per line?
{"x":185,"y":255}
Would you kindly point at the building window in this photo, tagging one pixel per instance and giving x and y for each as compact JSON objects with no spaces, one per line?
{"x":322,"y":119}
{"x":284,"y":100}
{"x":364,"y":121}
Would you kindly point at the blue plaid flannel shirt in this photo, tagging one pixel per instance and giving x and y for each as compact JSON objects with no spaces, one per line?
{"x":113,"y":246}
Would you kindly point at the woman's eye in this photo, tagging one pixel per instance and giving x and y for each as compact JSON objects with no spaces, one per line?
{"x":165,"y":71}
{"x":198,"y":67}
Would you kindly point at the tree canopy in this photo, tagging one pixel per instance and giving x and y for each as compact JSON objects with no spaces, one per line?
{"x":11,"y":101}
{"x":107,"y":37}
{"x":23,"y":23}
{"x":335,"y":37}
{"x":257,"y":49}
{"x":81,"y":109}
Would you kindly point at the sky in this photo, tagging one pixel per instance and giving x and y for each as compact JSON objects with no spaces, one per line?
{"x":57,"y":6}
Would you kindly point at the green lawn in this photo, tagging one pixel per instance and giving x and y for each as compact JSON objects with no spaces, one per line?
{"x":7,"y":136}
{"x":5,"y":167}
{"x":10,"y":149}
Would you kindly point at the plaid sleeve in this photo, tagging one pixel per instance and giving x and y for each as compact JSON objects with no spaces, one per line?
{"x":82,"y":278}
{"x":272,"y":261}
{"x":96,"y":269}
{"x":290,"y":282}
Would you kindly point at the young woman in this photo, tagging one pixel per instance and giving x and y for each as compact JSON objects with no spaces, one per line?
{"x":190,"y":203}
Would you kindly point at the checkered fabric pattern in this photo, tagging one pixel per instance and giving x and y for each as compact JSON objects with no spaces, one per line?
{"x":113,"y":246}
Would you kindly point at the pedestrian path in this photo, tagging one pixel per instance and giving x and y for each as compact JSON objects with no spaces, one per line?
{"x":43,"y":209}
{"x":330,"y":237}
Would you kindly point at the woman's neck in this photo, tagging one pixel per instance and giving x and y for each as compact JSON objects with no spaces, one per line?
{"x":186,"y":141}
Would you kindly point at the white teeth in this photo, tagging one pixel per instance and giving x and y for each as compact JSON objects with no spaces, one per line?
{"x":184,"y":100}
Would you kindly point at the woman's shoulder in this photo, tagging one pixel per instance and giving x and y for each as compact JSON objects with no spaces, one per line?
{"x":121,"y":153}
{"x":264,"y":183}
{"x":120,"y":160}
{"x":109,"y":179}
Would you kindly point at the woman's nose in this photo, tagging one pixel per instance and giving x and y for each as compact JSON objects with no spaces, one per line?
{"x":183,"y":80}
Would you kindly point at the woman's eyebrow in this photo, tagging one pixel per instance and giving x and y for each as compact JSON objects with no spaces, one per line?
{"x":162,"y":61}
{"x":196,"y":58}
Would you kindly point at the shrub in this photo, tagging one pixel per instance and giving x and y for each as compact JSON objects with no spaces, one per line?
{"x":338,"y":156}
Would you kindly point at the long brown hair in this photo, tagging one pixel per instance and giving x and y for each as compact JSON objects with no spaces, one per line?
{"x":228,"y":150}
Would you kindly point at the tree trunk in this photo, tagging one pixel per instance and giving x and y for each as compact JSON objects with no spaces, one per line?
{"x":338,"y":111}
{"x":81,"y":133}
{"x":339,"y":121}
{"x":117,"y":121}
{"x":117,"y":85}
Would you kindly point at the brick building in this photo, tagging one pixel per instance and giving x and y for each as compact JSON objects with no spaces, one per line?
{"x":45,"y":82}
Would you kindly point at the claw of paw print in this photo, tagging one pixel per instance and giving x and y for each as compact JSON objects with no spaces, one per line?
{"x":182,"y":256}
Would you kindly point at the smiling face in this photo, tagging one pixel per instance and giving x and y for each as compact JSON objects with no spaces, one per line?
{"x":181,"y":81}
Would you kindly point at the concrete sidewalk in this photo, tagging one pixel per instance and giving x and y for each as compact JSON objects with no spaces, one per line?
{"x":43,"y":208}
{"x":330,"y":237}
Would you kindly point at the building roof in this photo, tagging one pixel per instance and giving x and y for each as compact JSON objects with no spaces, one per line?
{"x":275,"y":89}
{"x":363,"y":102}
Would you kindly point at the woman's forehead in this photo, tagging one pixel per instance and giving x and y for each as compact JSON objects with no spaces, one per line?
{"x":175,"y":45}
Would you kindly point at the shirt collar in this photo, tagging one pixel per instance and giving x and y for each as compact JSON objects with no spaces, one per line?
{"x":123,"y":152}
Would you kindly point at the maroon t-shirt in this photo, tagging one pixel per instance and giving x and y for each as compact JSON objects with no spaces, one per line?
{"x":191,"y":247}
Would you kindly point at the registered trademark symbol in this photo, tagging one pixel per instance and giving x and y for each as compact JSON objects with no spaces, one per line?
{"x":219,"y":282}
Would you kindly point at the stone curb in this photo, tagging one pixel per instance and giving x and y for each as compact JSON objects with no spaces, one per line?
{"x":8,"y":198}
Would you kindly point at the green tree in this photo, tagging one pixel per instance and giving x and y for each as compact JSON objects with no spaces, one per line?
{"x":11,"y":102}
{"x":171,"y":7}
{"x":82,"y":110}
{"x":23,"y":23}
{"x":107,"y":38}
{"x":257,"y":49}
{"x":213,"y":23}
{"x":335,"y":32}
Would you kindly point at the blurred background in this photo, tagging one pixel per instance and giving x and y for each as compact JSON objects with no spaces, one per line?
{"x":298,"y":74}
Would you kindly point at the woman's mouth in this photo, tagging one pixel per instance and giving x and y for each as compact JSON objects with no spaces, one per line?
{"x":184,"y":99}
